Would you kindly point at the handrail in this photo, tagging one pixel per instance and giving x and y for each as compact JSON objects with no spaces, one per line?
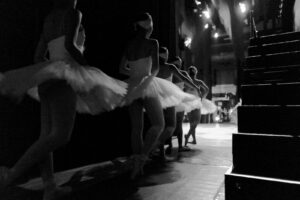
{"x":253,"y":29}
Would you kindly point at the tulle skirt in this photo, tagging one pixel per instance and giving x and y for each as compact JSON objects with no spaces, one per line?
{"x":208,"y":107}
{"x":167,"y":92}
{"x":17,"y":82}
{"x":96,"y":91}
{"x":188,"y":106}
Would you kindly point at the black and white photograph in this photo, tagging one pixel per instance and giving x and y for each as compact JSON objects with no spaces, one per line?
{"x":149,"y":99}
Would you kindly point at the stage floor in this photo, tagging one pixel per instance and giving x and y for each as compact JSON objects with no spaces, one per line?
{"x":194,"y":175}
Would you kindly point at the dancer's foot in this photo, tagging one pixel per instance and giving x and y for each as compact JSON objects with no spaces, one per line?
{"x":57,"y":193}
{"x":186,"y":139}
{"x":194,"y":142}
{"x":183,"y":149}
{"x":138,"y":165}
{"x":4,"y":175}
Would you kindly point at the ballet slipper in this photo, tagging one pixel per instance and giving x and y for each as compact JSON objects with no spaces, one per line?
{"x":138,"y":165}
{"x":183,"y":149}
{"x":57,"y":193}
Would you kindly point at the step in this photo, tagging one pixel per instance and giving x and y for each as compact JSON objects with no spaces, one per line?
{"x":280,"y":37}
{"x":279,"y":47}
{"x":217,"y":49}
{"x":270,"y":76}
{"x":282,"y":120}
{"x":271,"y":94}
{"x":278,"y":59}
{"x":289,"y":73}
{"x":249,"y":187}
{"x":266,"y":155}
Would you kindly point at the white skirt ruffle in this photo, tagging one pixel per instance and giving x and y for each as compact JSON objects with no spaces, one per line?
{"x":168,"y":93}
{"x":17,"y":82}
{"x":96,"y":91}
{"x":188,"y":106}
{"x":208,"y":107}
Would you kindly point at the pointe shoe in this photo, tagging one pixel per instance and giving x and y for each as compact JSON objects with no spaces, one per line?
{"x":184,"y":149}
{"x":138,"y":165}
{"x":57,"y":193}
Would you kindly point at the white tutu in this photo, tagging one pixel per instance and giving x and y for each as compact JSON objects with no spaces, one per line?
{"x":96,"y":91}
{"x":168,"y":93}
{"x":17,"y":82}
{"x":208,"y":107}
{"x":188,"y":106}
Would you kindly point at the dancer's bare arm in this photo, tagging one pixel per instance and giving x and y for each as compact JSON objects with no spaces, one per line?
{"x":202,"y":85}
{"x":154,"y":55}
{"x":72,"y":23}
{"x":176,"y":72}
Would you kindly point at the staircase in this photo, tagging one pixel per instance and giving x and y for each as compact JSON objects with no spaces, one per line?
{"x":266,"y":149}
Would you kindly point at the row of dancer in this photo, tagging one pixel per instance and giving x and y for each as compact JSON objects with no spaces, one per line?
{"x":187,"y":81}
{"x":150,"y":89}
{"x":173,"y":73}
{"x":64,"y":84}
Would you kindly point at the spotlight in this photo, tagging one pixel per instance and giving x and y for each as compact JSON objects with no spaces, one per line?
{"x":198,"y":2}
{"x":216,"y":35}
{"x":188,"y":42}
{"x":243,"y":7}
{"x":206,"y":26}
{"x":206,"y":13}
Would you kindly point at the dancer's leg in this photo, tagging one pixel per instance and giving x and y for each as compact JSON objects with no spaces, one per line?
{"x":137,"y":124}
{"x":155,"y":114}
{"x":46,"y":165}
{"x":196,"y":115}
{"x":51,"y":190}
{"x":62,"y":107}
{"x":179,"y":131}
{"x":170,"y":123}
{"x":194,"y":118}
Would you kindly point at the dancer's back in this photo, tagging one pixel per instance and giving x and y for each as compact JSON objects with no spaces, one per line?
{"x":140,"y":67}
{"x":55,"y":34}
{"x":139,"y":57}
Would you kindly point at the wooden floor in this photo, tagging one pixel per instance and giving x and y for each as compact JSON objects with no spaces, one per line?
{"x":194,"y":175}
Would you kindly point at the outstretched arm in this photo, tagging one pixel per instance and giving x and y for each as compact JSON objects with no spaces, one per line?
{"x":72,"y":24}
{"x":154,"y":55}
{"x":202,"y":85}
{"x":182,"y":77}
